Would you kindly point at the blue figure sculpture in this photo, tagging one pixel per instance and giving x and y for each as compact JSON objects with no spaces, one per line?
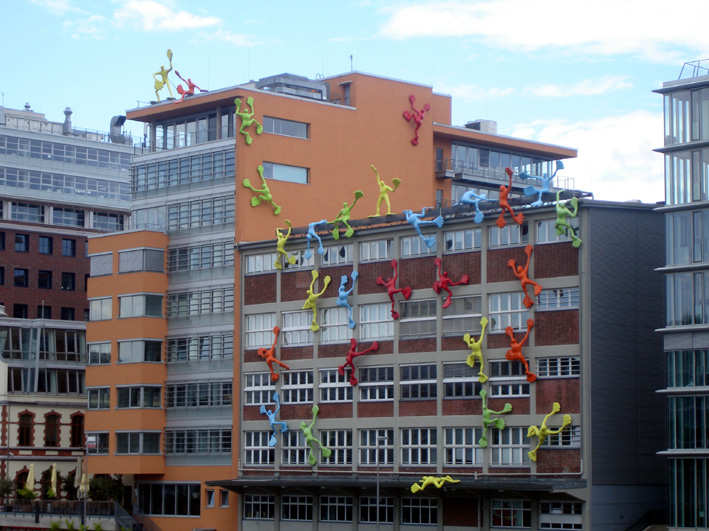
{"x":545,"y":180}
{"x":343,"y":293}
{"x":467,"y":199}
{"x":416,"y":221}
{"x":312,"y":234}
{"x":272,"y":419}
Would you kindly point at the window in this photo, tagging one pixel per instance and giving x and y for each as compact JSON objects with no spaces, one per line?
{"x":68,"y":281}
{"x":258,"y":388}
{"x":558,"y":299}
{"x":415,"y":246}
{"x":296,"y":328}
{"x":67,"y":314}
{"x":418,"y":319}
{"x":279,"y":126}
{"x":334,"y":387}
{"x":44,"y":279}
{"x":132,"y":443}
{"x":687,"y":299}
{"x":375,"y":322}
{"x":101,"y":447}
{"x":460,"y":381}
{"x":418,"y":382}
{"x":419,"y":446}
{"x":25,"y":435}
{"x":201,"y":213}
{"x":340,"y":443}
{"x":101,"y":264}
{"x":99,"y":353}
{"x":510,"y":234}
{"x":199,"y":394}
{"x":375,"y":251}
{"x":297,"y":387}
{"x":463,"y":316}
{"x":2,"y":235}
{"x":141,"y":351}
{"x":2,"y":276}
{"x":509,"y":447}
{"x":217,"y":300}
{"x":334,"y":325}
{"x":260,"y":263}
{"x":462,"y":448}
{"x":68,"y":217}
{"x":376,"y":384}
{"x":100,"y":309}
{"x":27,"y":212}
{"x":140,"y":306}
{"x":570,"y":437}
{"x":141,"y":260}
{"x":22,"y":243}
{"x":22,"y":277}
{"x":45,"y":245}
{"x":368,"y":507}
{"x":558,"y":367}
{"x":138,"y":397}
{"x":259,"y":330}
{"x":169,"y":499}
{"x":259,"y":506}
{"x":372,"y":439}
{"x":463,"y":240}
{"x":294,"y":450}
{"x":336,"y":255}
{"x":68,"y":247}
{"x":560,"y":515}
{"x":546,"y":231}
{"x":223,"y":498}
{"x":108,"y":222}
{"x":516,"y":514}
{"x":200,"y":348}
{"x":297,"y":508}
{"x":687,"y":368}
{"x":336,"y":508}
{"x":283,"y":172}
{"x":508,"y":379}
{"x":51,"y":430}
{"x":203,"y":256}
{"x":507,"y":309}
{"x":256,"y":449}
{"x":20,"y":311}
{"x":423,"y":511}
{"x":212,"y":441}
{"x":44,"y":312}
{"x":99,"y":397}
{"x":77,"y":431}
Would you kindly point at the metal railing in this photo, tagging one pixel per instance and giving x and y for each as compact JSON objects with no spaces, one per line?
{"x":694,"y":69}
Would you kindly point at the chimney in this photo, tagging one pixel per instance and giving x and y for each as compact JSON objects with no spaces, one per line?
{"x":66,"y":129}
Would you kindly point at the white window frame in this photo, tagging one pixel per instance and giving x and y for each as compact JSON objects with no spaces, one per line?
{"x":297,"y":387}
{"x":334,"y":388}
{"x":418,"y":318}
{"x":101,"y":309}
{"x":460,"y":381}
{"x":462,"y":316}
{"x":570,"y":437}
{"x":509,"y":447}
{"x":507,"y":309}
{"x":375,"y":251}
{"x":257,"y":264}
{"x":259,"y":330}
{"x":546,"y":231}
{"x":561,"y":367}
{"x":456,"y":241}
{"x":507,"y":379}
{"x":372,"y":388}
{"x":334,"y":325}
{"x":296,"y":328}
{"x":415,"y":246}
{"x":418,"y":382}
{"x":419,"y":446}
{"x":368,"y":439}
{"x":375,"y":322}
{"x":294,"y":450}
{"x":333,"y":255}
{"x":461,"y":446}
{"x":558,"y":299}
{"x":257,"y":452}
{"x":511,"y":235}
{"x":340,"y":443}
{"x":258,"y":388}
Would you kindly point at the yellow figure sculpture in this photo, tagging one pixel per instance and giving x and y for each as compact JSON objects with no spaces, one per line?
{"x":384,"y":190}
{"x":280,"y":247}
{"x":476,"y":348}
{"x":161,"y":79}
{"x":311,"y":303}
{"x":432,"y":480}
{"x":542,"y":431}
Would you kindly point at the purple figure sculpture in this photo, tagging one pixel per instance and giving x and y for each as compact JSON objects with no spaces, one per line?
{"x":312,"y":234}
{"x":545,"y":181}
{"x":272,"y":419}
{"x":343,"y":294}
{"x":416,"y":221}
{"x":467,"y":199}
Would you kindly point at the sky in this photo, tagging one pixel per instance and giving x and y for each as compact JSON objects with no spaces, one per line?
{"x":572,"y":73}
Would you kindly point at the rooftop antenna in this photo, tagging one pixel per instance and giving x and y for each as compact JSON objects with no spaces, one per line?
{"x":351,"y":67}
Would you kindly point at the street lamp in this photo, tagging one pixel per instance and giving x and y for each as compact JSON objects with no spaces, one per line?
{"x":380,"y":439}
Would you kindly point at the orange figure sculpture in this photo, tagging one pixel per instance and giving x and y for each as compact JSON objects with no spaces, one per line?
{"x":444,"y":282}
{"x":269,"y":355}
{"x":390,"y":285}
{"x":504,"y":204}
{"x":351,"y":355}
{"x":515,"y":352}
{"x":522,"y":273}
{"x":311,"y":303}
{"x":189,"y":91}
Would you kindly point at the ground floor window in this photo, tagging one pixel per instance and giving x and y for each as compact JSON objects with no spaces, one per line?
{"x":259,"y":507}
{"x":689,"y":504}
{"x":336,"y":508}
{"x":368,"y":508}
{"x":560,"y":515}
{"x":513,"y":514}
{"x":168,"y":499}
{"x":297,"y":508}
{"x":419,"y":511}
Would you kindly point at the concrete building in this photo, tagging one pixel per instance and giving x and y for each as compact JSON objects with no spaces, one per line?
{"x":686,"y":152}
{"x":58,"y":185}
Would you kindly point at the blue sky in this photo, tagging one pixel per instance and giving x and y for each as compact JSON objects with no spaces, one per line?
{"x":574,"y":73}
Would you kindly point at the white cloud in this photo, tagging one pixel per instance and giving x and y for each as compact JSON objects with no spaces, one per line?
{"x":57,"y":7}
{"x":587,"y":87}
{"x":150,"y":15}
{"x":615,"y":158}
{"x":474,"y":92}
{"x":92,"y":26}
{"x":603,"y":27}
{"x":237,"y":39}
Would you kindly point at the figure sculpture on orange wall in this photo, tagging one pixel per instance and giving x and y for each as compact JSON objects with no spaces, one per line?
{"x":390,"y":285}
{"x":269,"y":355}
{"x":281,"y":240}
{"x":416,"y":116}
{"x":515,"y":352}
{"x":505,"y":205}
{"x":444,"y":282}
{"x":351,"y":355}
{"x":189,"y":91}
{"x":522,"y":273}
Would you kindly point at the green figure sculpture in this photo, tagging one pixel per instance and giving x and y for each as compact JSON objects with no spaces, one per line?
{"x":384,"y":190}
{"x":476,"y":348}
{"x":280,"y":247}
{"x":311,"y":303}
{"x":264,"y":194}
{"x":247,"y":119}
{"x":432,"y":480}
{"x":562,"y":226}
{"x":498,"y":423}
{"x":162,"y":80}
{"x":311,"y":440}
{"x":542,"y":431}
{"x":344,"y":217}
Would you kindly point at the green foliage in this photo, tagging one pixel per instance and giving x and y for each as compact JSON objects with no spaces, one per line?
{"x":97,"y":527}
{"x":103,"y":487}
{"x":7,"y":487}
{"x":70,"y":525}
{"x":54,"y":526}
{"x":68,"y":485}
{"x":26,"y":494}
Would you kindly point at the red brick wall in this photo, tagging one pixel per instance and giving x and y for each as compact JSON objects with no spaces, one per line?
{"x":419,"y":273}
{"x":556,"y":260}
{"x":335,"y":411}
{"x":566,"y":391}
{"x":296,"y":353}
{"x":460,"y":264}
{"x":375,"y":409}
{"x":558,"y":461}
{"x":520,"y":406}
{"x":368,"y":273}
{"x":425,"y":344}
{"x":260,"y":288}
{"x":454,"y":343}
{"x":417,"y":408}
{"x":497,"y":268}
{"x":462,"y":407}
{"x":295,"y":284}
{"x":334,"y":351}
{"x":556,"y":328}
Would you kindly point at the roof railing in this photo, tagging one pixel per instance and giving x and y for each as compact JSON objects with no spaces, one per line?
{"x":694,"y":69}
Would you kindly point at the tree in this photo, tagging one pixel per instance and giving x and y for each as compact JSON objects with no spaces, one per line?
{"x":103,"y":487}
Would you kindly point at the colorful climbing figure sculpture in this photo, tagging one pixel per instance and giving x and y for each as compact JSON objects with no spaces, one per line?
{"x":312,"y":233}
{"x":390,"y":285}
{"x":476,"y":351}
{"x":311,"y":303}
{"x":189,"y":91}
{"x":247,"y":119}
{"x":161,"y":79}
{"x":417,"y":117}
{"x":342,"y":297}
{"x":311,"y":440}
{"x":281,"y":240}
{"x":505,"y":205}
{"x":272,"y":419}
{"x":263,"y":193}
{"x":561,"y":225}
{"x":488,"y":421}
{"x":545,"y":181}
{"x":471,"y":197}
{"x":416,"y":221}
{"x":543,"y":431}
{"x":522,"y":273}
{"x":432,"y":480}
{"x":515,"y":352}
{"x":344,"y":217}
{"x":384,"y":190}
{"x":351,"y":355}
{"x":269,"y":354}
{"x":444,"y":282}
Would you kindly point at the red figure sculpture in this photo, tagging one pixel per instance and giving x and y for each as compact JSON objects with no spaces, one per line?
{"x":417,"y":117}
{"x":515,"y":352}
{"x":189,"y":91}
{"x":504,"y":205}
{"x":444,"y":282}
{"x":269,"y":355}
{"x":390,"y":285}
{"x":351,"y":355}
{"x":522,"y":273}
